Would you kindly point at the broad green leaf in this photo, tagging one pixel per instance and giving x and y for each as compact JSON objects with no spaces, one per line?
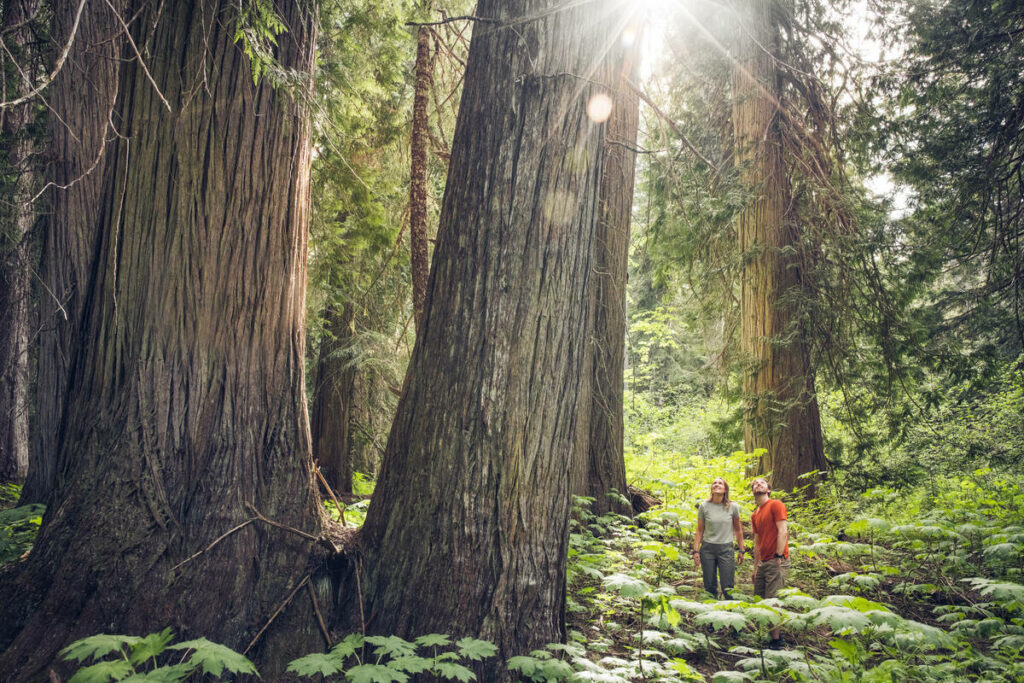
{"x":527,"y":666}
{"x":375,"y":673}
{"x":801,"y":602}
{"x":454,"y":672}
{"x":555,"y":670}
{"x":599,"y":676}
{"x":214,"y":658}
{"x":719,"y":619}
{"x":1004,"y":551}
{"x":571,"y":649}
{"x":839,"y":619}
{"x":103,"y":672}
{"x":687,"y":672}
{"x":348,"y":646}
{"x":878,"y":616}
{"x":626,"y":585}
{"x":848,"y":649}
{"x":474,"y":649}
{"x":393,"y":646}
{"x":412,"y":665}
{"x":853,"y":602}
{"x":325,"y":664}
{"x":151,"y":646}
{"x":691,"y":607}
{"x":730,"y":677}
{"x":97,"y":646}
{"x":1013,"y":643}
{"x":433,"y":640}
{"x":162,"y":674}
{"x":889,"y":671}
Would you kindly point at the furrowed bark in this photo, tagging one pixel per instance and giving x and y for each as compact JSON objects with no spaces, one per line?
{"x":485,"y":429}
{"x":185,"y":408}
{"x":780,"y":404}
{"x":79,"y":137}
{"x":601,"y":468}
{"x":16,"y":254}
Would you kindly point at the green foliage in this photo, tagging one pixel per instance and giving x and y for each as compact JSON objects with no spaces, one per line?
{"x":145,"y":659}
{"x":395,"y":659}
{"x":257,"y":27}
{"x":18,"y":525}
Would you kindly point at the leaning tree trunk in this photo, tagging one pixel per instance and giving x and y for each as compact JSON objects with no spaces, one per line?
{"x":15,"y":252}
{"x":418,"y":176}
{"x":185,"y":410}
{"x":601,"y":469}
{"x":78,"y":161}
{"x":331,"y":414}
{"x":468,"y":531}
{"x":780,"y":405}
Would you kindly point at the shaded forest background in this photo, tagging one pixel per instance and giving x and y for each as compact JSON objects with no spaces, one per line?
{"x":794,"y":241}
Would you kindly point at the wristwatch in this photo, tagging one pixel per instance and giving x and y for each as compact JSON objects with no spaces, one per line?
{"x":779,"y":557}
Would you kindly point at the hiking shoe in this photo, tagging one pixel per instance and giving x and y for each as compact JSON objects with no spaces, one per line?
{"x":776,"y":644}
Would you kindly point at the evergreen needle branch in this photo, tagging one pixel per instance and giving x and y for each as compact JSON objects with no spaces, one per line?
{"x":56,"y":67}
{"x":675,"y":129}
{"x":280,"y":608}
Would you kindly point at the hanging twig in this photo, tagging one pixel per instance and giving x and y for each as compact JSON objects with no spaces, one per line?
{"x":56,"y":67}
{"x":138,"y":55}
{"x":279,"y":525}
{"x":464,"y":17}
{"x":215,"y":542}
{"x":273,"y":616}
{"x":330,"y":492}
{"x":319,"y":615}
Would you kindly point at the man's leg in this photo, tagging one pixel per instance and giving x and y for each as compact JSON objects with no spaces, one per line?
{"x":775,"y":580}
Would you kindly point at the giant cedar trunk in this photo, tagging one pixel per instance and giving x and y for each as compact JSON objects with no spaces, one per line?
{"x":467,"y":533}
{"x":331,"y":416}
{"x":78,"y":159}
{"x":601,"y":468}
{"x":780,"y":405}
{"x":185,"y":405}
{"x":15,"y":253}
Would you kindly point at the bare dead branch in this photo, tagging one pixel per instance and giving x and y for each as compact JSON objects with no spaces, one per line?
{"x":56,"y":67}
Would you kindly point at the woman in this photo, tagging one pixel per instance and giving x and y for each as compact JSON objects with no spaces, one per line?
{"x":718,"y":527}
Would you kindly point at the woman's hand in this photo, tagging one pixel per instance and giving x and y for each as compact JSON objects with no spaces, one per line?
{"x":739,"y":558}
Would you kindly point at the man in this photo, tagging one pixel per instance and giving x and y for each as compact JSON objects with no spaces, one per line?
{"x":771,"y":548}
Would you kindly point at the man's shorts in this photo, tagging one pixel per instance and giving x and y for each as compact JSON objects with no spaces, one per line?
{"x":771,"y":578}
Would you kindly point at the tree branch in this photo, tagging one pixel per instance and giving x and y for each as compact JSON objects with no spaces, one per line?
{"x":56,"y":67}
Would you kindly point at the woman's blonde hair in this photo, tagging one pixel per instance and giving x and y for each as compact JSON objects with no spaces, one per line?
{"x":725,"y":496}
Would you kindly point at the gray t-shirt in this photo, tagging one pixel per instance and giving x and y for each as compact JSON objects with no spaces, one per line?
{"x":718,"y":521}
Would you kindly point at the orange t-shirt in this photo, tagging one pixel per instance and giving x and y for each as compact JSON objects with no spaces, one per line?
{"x":763,"y":520}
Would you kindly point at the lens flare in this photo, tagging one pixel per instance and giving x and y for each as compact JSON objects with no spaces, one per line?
{"x":599,"y":108}
{"x":628,"y":36}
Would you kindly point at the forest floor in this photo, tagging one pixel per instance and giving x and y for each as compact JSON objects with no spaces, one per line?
{"x":918,"y":585}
